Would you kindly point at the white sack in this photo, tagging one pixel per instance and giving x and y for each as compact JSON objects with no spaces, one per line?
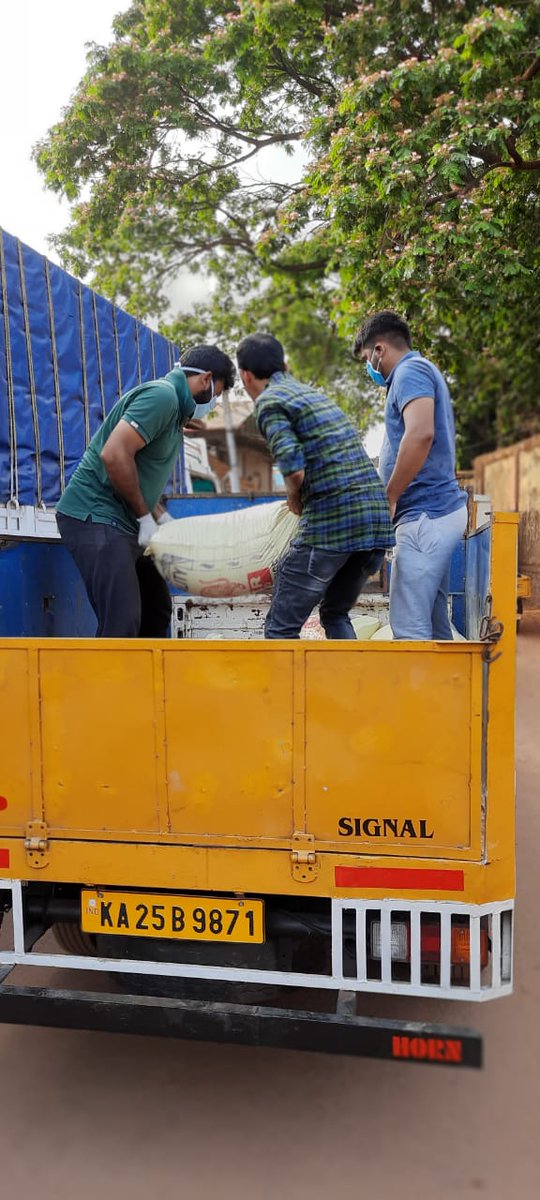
{"x":385,"y":634}
{"x":365,"y":627}
{"x":224,"y":554}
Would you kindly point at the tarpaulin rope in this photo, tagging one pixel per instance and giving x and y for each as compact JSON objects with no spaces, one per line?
{"x":31,"y":375}
{"x":153,"y":353}
{"x":137,"y":342}
{"x":117,"y":352}
{"x":13,"y":465}
{"x":56,"y":376}
{"x":86,"y":402}
{"x":98,"y":356}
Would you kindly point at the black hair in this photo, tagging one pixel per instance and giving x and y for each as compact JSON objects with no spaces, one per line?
{"x":210,"y":358}
{"x":261,"y":354}
{"x":385,"y":324}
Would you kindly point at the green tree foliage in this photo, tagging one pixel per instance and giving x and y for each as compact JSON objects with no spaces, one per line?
{"x":414,"y":132}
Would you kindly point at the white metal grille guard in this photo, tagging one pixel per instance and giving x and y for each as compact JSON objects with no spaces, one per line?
{"x":493,"y":981}
{"x":28,"y":522}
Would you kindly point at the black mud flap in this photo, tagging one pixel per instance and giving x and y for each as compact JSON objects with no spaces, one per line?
{"x":342,"y":1032}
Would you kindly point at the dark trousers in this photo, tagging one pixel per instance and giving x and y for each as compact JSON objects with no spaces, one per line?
{"x":307,"y":577}
{"x":128,"y":596}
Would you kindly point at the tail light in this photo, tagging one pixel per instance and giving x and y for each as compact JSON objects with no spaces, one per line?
{"x":461,"y":946}
{"x":399,"y":937}
{"x":430,"y":943}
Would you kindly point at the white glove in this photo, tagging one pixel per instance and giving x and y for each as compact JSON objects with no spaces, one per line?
{"x":147,"y":528}
{"x":165,"y":516}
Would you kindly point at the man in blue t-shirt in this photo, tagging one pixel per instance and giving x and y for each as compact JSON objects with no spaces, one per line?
{"x":418,"y":467}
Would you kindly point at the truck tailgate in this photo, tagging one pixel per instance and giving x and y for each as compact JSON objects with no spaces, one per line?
{"x":360,"y":746}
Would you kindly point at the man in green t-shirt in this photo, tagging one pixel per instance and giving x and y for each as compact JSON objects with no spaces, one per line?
{"x":111,"y":506}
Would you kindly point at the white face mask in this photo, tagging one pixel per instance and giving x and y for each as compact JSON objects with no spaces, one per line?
{"x":201,"y":410}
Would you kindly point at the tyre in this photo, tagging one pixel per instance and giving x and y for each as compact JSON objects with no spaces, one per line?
{"x":265,"y":957}
{"x":73,"y":940}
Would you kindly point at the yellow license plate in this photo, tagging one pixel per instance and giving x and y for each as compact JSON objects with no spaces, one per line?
{"x":195,"y":918}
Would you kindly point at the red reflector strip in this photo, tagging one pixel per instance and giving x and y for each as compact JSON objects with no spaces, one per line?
{"x":4,"y":858}
{"x":400,"y":878}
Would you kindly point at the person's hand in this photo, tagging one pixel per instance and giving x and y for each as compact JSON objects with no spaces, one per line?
{"x":164,"y":517}
{"x":294,"y":483}
{"x":194,"y":427}
{"x":147,"y":528}
{"x":295,"y":503}
{"x":392,"y":504}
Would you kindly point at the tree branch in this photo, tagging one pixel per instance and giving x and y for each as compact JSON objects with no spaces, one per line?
{"x":493,"y":161}
{"x":307,"y":82}
{"x":510,"y":143}
{"x":532,"y":164}
{"x":219,"y":167}
{"x":300,"y":268}
{"x":530,"y":72}
{"x":211,"y":120}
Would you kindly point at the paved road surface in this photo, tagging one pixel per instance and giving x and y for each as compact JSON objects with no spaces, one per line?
{"x":86,"y":1116}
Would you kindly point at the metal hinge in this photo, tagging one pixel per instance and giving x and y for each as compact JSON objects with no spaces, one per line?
{"x":36,"y":844}
{"x":491,"y":632}
{"x":304,"y":863}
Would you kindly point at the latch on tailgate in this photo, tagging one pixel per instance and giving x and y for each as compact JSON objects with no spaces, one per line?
{"x":36,"y":844}
{"x":304,"y":865}
{"x":490,"y":632}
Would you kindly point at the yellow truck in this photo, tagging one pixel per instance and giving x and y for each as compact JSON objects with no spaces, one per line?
{"x":214,"y":825}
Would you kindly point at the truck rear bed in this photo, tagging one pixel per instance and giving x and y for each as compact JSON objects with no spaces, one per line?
{"x":362,"y":793}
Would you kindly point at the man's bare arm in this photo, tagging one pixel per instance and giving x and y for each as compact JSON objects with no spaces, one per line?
{"x":118,"y":458}
{"x":416,"y":443}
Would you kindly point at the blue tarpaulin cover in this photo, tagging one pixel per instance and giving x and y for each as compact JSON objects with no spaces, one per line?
{"x":66,"y":355}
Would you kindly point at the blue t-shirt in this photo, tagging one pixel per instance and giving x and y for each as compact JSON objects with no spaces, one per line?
{"x":435,"y":489}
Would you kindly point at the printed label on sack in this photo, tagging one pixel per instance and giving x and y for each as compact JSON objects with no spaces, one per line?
{"x":260,"y":581}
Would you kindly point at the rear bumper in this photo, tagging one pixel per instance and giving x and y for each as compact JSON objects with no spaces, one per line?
{"x":341,"y":1032}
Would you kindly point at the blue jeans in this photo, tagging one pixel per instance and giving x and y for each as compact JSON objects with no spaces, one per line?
{"x":306,"y":578}
{"x":421,"y":576}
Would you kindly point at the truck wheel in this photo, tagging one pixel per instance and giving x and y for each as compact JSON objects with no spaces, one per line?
{"x":73,"y":940}
{"x":263,"y":957}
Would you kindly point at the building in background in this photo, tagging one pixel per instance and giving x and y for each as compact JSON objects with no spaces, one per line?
{"x":511,"y":478}
{"x":257,"y":473}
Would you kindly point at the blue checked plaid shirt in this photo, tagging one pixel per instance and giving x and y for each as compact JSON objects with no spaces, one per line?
{"x":344,"y":501}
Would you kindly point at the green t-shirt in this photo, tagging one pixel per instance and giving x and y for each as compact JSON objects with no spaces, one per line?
{"x":158,"y":411}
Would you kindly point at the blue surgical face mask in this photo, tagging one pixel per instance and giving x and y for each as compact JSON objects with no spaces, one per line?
{"x":375,"y":375}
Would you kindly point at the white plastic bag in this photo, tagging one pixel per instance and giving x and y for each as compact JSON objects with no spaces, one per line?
{"x":224,"y":554}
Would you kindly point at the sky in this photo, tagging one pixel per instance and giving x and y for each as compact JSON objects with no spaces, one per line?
{"x":42,"y":59}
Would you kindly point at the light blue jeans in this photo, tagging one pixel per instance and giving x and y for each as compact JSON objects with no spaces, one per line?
{"x":420,"y":576}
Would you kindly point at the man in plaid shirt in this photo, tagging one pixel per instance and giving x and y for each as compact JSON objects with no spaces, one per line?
{"x":331,"y":484}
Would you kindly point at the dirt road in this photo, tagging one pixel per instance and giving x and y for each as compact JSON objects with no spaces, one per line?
{"x":90,"y":1115}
